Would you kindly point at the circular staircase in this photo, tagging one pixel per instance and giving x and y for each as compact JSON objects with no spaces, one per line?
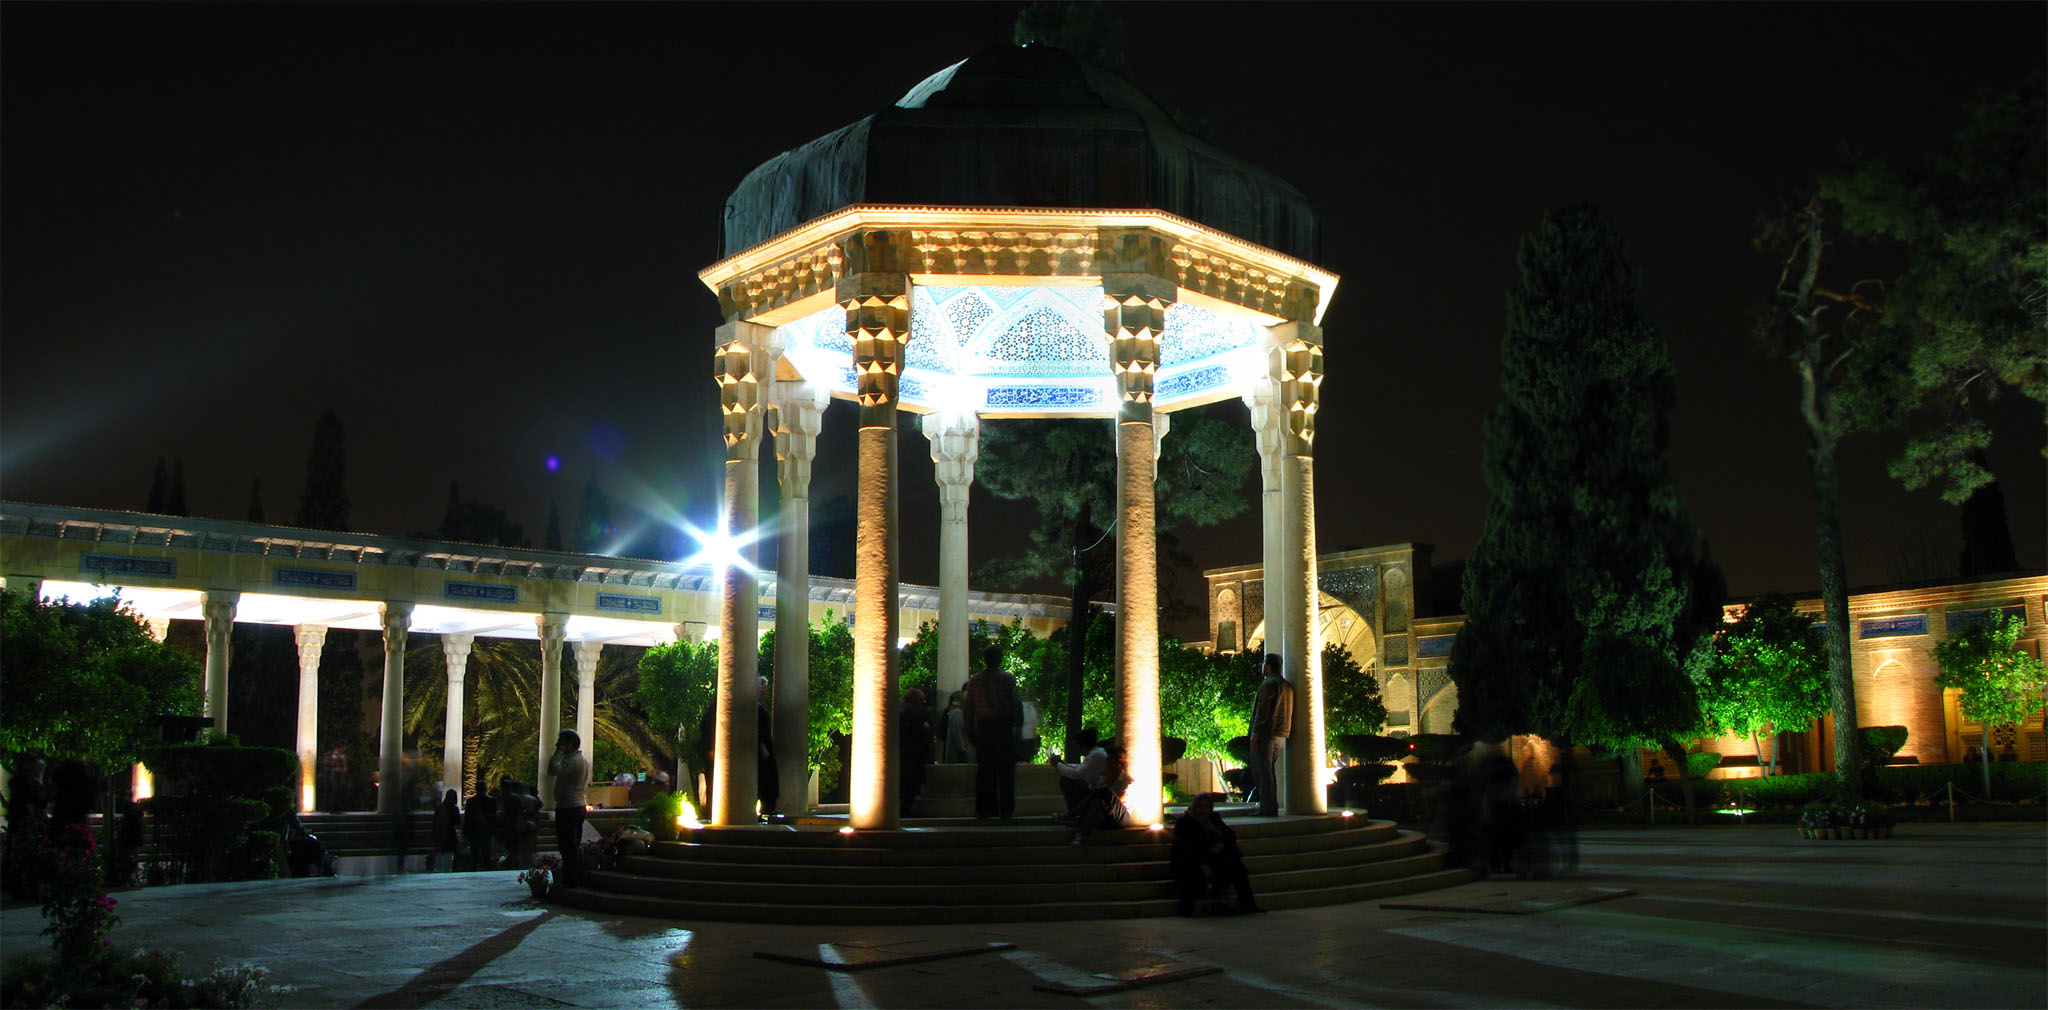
{"x":961,"y":870}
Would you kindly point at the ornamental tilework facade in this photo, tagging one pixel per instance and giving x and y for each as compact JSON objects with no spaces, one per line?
{"x":1891,"y":647}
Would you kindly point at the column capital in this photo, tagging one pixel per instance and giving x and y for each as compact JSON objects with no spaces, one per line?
{"x":955,"y":438}
{"x":1294,"y":354}
{"x":1268,"y":429}
{"x":799,"y":415}
{"x":744,"y":365}
{"x":219,"y":604}
{"x":455,"y":649}
{"x":878,"y":322}
{"x":396,"y":616}
{"x":309,"y":635}
{"x":554,"y":628}
{"x":1134,"y":315}
{"x":587,"y":652}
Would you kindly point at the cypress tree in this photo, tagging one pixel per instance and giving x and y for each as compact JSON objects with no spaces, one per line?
{"x":256,"y":501}
{"x":553,"y":538}
{"x":323,"y":505}
{"x":159,"y":489}
{"x":174,"y":502}
{"x":1585,"y":604}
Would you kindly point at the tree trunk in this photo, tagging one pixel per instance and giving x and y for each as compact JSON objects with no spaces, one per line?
{"x":1077,"y":636}
{"x":1630,"y":764}
{"x":1676,"y":752}
{"x":1985,"y":752}
{"x":1756,"y":744}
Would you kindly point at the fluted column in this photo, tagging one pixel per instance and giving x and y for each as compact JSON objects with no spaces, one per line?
{"x":1267,"y":429}
{"x":878,"y":322}
{"x":955,"y":438}
{"x":310,"y":639}
{"x":219,"y":607}
{"x":1295,"y":353}
{"x":799,"y":414}
{"x":553,"y":629}
{"x":745,"y":366}
{"x":455,"y":655}
{"x":1135,"y":316}
{"x":397,"y":620}
{"x":587,"y":655}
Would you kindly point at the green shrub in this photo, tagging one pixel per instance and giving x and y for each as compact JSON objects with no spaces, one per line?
{"x":658,"y":813}
{"x":1367,"y":747}
{"x":1779,"y":790}
{"x":216,"y":799}
{"x":1700,"y":764}
{"x":1881,"y":742}
{"x":124,"y":978}
{"x":2011,"y":782}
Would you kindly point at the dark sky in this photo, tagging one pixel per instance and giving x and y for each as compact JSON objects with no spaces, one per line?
{"x":474,"y":232}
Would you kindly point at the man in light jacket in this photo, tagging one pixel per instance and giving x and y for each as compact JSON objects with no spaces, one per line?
{"x":572,"y":783}
{"x":1272,"y":717}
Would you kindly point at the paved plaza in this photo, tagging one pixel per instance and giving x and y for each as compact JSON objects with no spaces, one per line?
{"x":1943,"y":915}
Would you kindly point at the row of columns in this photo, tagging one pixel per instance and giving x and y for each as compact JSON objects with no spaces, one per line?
{"x":218,"y":607}
{"x":877,"y":308}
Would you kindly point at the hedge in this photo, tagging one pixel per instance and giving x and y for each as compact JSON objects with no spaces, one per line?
{"x":2011,"y":782}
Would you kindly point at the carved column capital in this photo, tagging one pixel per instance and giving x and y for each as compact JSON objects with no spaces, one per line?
{"x":397,"y":621}
{"x":744,"y":366}
{"x":878,"y":322}
{"x":799,"y":415}
{"x":553,"y":629}
{"x":455,"y":650}
{"x":956,"y":446}
{"x":1263,"y":399}
{"x":1134,"y":315}
{"x":1294,"y":353}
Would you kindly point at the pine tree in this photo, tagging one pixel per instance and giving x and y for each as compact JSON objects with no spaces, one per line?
{"x":324,"y":505}
{"x":594,"y":523}
{"x":1585,"y":604}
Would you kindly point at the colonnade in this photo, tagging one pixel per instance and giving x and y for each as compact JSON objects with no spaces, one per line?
{"x":396,"y":619}
{"x":1283,"y":403}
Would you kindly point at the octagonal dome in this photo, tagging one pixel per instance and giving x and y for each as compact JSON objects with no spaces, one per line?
{"x":1026,"y":126}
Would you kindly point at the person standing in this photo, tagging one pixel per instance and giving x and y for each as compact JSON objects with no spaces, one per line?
{"x":572,"y":779}
{"x":447,"y":833}
{"x":767,"y":771}
{"x":994,"y":710}
{"x":1272,"y":718}
{"x":334,"y":779}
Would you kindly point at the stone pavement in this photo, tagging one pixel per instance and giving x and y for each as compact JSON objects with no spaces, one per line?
{"x":1943,"y":915}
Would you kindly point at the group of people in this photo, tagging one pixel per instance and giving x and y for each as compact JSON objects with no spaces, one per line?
{"x":502,"y":828}
{"x":989,"y":723}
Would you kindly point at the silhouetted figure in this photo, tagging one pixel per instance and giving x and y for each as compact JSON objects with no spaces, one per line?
{"x":1501,"y":815}
{"x":1103,"y":775}
{"x":767,"y":771}
{"x":1272,"y":719}
{"x":478,"y":824}
{"x":447,"y":833}
{"x":334,"y":779}
{"x":995,"y":711}
{"x":572,"y":783}
{"x":1206,"y":859}
{"x":914,"y":732}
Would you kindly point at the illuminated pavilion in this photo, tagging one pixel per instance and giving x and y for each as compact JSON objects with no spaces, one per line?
{"x":1021,"y":235}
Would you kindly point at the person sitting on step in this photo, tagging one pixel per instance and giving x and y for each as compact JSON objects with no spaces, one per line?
{"x":1206,"y":859}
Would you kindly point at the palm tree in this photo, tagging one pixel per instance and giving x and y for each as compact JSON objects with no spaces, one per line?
{"x":501,"y":703}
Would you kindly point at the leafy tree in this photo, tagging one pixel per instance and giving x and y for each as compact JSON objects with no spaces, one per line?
{"x":1587,"y":609}
{"x":1966,"y":315}
{"x":677,"y":683}
{"x":2000,"y":684}
{"x":1087,"y":31}
{"x":324,"y":505}
{"x":1769,"y":675}
{"x":1351,"y":696}
{"x":1067,"y":470}
{"x":84,"y":680}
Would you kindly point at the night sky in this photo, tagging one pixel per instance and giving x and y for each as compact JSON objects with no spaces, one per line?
{"x":474,"y":232}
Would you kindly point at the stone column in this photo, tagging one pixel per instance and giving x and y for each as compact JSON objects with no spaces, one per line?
{"x":455,"y":655}
{"x":219,"y":608}
{"x":310,"y":639}
{"x":391,"y":796}
{"x":1135,"y":315}
{"x":1295,"y":352}
{"x":799,"y":414}
{"x":553,"y":628}
{"x":587,"y":654}
{"x":745,"y":366}
{"x":878,"y":322}
{"x":956,"y":443}
{"x":1267,"y":427}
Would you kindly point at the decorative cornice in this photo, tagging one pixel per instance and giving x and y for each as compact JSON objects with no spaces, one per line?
{"x":1009,"y":244}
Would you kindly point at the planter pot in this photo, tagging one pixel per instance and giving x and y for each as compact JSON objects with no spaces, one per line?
{"x":538,"y":881}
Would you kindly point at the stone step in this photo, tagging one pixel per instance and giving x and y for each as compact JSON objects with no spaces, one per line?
{"x":673,"y":909}
{"x":1053,"y":863}
{"x":981,"y":874}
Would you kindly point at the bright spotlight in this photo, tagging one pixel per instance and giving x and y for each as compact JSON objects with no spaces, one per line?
{"x":720,"y":549}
